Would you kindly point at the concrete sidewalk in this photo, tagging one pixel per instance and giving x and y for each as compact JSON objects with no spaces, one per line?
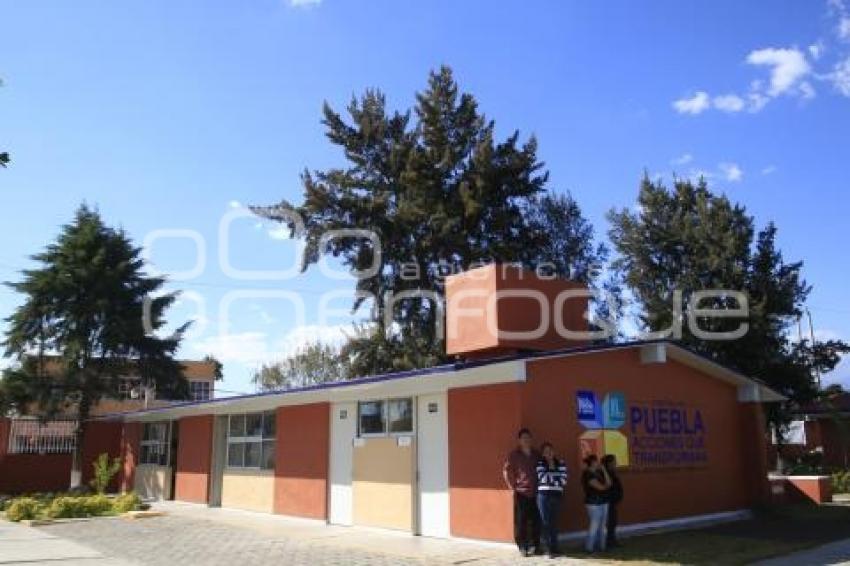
{"x":401,"y":544}
{"x":20,"y":544}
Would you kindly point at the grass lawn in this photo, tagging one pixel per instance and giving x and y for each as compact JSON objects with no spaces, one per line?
{"x":772,"y":532}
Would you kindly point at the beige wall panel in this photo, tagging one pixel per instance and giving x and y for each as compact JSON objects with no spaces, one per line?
{"x":252,"y":490}
{"x":382,"y":484}
{"x":153,"y":482}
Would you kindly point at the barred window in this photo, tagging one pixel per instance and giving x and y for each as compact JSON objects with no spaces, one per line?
{"x":154,"y":447}
{"x":251,"y":441}
{"x":27,"y":435}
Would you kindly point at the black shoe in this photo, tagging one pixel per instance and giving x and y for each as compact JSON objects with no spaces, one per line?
{"x":538,"y":551}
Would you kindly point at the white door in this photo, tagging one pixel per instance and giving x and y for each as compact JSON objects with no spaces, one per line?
{"x":343,"y":430}
{"x":433,"y":465}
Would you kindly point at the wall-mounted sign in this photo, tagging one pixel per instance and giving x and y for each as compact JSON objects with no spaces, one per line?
{"x":433,"y":407}
{"x":659,"y":433}
{"x":343,"y":414}
{"x":404,"y":441}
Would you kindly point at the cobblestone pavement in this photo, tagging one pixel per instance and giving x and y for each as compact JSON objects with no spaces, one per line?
{"x":175,"y":540}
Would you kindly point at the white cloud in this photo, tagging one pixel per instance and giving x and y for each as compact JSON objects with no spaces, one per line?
{"x":787,"y":67}
{"x":731,"y":171}
{"x":844,"y":28}
{"x":243,"y":347}
{"x":304,"y":3}
{"x":840,"y":77}
{"x":234,"y":204}
{"x":768,"y":169}
{"x":683,"y":159}
{"x":279,"y":232}
{"x":696,"y":104}
{"x":756,"y":101}
{"x":729,"y":103}
{"x":256,"y":348}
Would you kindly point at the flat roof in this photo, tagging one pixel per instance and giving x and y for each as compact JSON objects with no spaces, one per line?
{"x":440,"y":378}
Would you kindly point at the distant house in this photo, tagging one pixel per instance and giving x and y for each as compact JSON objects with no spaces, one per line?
{"x":821,"y":430}
{"x":133,"y":396}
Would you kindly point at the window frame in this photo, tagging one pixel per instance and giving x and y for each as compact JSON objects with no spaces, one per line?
{"x":247,"y":439}
{"x":385,"y":415}
{"x":165,"y":443}
{"x":205,"y":387}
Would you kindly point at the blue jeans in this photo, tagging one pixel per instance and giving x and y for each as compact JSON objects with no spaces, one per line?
{"x":549,"y":503}
{"x":597,"y":516}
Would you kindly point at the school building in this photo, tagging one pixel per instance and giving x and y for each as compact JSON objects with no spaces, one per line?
{"x":422,"y":451}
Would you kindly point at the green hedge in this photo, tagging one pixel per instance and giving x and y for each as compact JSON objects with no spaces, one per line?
{"x":841,"y":482}
{"x":69,"y":506}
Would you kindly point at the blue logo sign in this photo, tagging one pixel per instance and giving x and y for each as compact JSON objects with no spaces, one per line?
{"x":615,"y":410}
{"x":589,"y":414}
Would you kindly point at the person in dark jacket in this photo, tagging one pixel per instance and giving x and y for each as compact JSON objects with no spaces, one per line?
{"x":520,"y":475}
{"x":551,"y":481}
{"x":595,"y":481}
{"x":614,"y":496}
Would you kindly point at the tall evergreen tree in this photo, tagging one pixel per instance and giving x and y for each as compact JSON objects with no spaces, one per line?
{"x":689,"y":239}
{"x":442,"y":194}
{"x":90,"y":315}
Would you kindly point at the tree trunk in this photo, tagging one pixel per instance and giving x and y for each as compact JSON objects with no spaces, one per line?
{"x":76,"y":480}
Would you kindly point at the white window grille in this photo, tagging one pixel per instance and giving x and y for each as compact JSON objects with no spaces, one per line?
{"x":155,"y":444}
{"x":28,"y":435}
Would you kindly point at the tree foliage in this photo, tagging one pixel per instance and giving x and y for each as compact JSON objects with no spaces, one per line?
{"x":90,"y":315}
{"x":316,"y":363}
{"x":689,"y":239}
{"x":442,"y":194}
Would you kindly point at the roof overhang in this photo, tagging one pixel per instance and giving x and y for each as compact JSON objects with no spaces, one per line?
{"x":749,"y":390}
{"x":401,"y":385}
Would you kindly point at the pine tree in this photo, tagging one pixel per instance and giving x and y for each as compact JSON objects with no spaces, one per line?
{"x":90,"y":315}
{"x":442,"y":194}
{"x":690,"y":239}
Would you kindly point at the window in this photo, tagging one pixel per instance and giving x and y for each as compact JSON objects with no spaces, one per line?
{"x":371,"y":417}
{"x":251,"y":441}
{"x":154,"y":446}
{"x":28,"y":435}
{"x":129,"y":388}
{"x":400,"y":415}
{"x":379,"y":417}
{"x":200,"y":390}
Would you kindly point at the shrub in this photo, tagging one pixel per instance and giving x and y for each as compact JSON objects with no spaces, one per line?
{"x":66,"y":508}
{"x":127,"y":502}
{"x":841,"y":482}
{"x":97,"y":505}
{"x":104,"y":471}
{"x":24,"y":508}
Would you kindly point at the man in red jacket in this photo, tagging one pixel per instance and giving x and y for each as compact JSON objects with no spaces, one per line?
{"x":520,"y":473}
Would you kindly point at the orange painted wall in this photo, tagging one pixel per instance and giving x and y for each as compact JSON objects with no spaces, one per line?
{"x":301,"y":460}
{"x":472,"y":320}
{"x":550,"y":410}
{"x":102,"y":437}
{"x":131,"y":436}
{"x":483,"y":422}
{"x":21,"y":473}
{"x":194,"y":456}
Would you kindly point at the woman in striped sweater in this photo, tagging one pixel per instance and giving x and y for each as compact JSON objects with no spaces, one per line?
{"x":551,"y":481}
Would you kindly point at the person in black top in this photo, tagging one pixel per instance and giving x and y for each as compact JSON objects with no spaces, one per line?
{"x":595,"y":481}
{"x":615,"y":496}
{"x":551,"y":480}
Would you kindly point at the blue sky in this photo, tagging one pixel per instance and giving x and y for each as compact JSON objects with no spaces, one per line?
{"x":168,"y":115}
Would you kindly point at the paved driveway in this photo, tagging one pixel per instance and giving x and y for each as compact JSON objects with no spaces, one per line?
{"x":192,"y":535}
